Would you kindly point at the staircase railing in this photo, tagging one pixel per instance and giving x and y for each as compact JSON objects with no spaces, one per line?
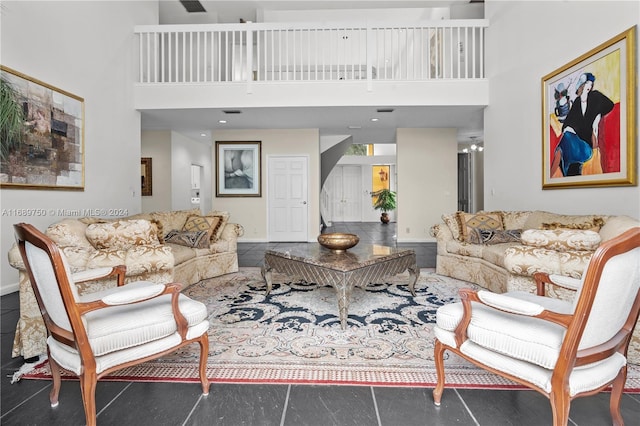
{"x":325,"y":206}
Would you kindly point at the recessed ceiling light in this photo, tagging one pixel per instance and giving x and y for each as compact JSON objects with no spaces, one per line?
{"x":203,"y":134}
{"x":374,"y":119}
{"x":222,"y":121}
{"x":355,"y":127}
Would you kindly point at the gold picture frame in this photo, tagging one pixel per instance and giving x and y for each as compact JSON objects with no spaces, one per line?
{"x":589,"y":118}
{"x":146,"y":176}
{"x":238,"y":169}
{"x":42,"y":136}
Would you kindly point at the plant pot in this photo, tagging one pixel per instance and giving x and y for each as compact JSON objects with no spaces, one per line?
{"x":384,"y":218}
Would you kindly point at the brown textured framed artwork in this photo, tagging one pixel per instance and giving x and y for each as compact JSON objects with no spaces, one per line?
{"x":146,"y":176}
{"x":42,"y":134}
{"x":238,"y":168}
{"x":589,"y":118}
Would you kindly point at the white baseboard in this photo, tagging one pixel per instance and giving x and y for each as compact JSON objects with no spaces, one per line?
{"x":417,"y":240}
{"x":252,"y":240}
{"x":8,"y":289}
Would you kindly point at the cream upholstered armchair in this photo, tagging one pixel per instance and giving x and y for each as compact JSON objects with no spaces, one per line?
{"x":561,"y":349}
{"x":97,"y":333}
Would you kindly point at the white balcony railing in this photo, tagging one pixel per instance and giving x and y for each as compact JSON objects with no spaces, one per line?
{"x":216,"y":53}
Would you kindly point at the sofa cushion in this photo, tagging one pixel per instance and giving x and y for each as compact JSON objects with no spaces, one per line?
{"x":174,"y":219}
{"x":494,"y":254}
{"x":69,"y":233}
{"x":155,"y":222}
{"x":193,"y":239}
{"x":480,"y":220}
{"x":121,"y":234}
{"x":617,"y":225}
{"x":561,"y":239}
{"x":464,"y":249}
{"x":526,"y":260}
{"x":514,"y":219}
{"x":181,"y":253}
{"x":106,"y":258}
{"x":149,"y":259}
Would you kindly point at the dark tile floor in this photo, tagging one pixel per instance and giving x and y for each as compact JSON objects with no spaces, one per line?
{"x":127,"y":403}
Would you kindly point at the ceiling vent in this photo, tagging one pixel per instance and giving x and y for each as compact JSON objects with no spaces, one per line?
{"x":385,"y":110}
{"x":193,"y":6}
{"x":232,"y":111}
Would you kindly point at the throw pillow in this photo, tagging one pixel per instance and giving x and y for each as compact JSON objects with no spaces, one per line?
{"x":592,"y":225}
{"x":480,"y":220}
{"x":490,"y":236}
{"x":223,"y":220}
{"x":453,"y":223}
{"x":193,"y":239}
{"x":174,"y":219}
{"x":201,"y":223}
{"x":561,"y":239}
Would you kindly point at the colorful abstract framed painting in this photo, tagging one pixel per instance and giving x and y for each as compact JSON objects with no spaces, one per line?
{"x":589,"y":118}
{"x":238,"y":168}
{"x":42,"y":134}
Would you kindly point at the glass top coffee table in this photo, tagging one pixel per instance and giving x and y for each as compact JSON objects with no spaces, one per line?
{"x":357,"y":267}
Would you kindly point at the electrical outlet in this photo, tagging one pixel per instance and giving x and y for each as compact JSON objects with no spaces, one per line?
{"x":408,"y":230}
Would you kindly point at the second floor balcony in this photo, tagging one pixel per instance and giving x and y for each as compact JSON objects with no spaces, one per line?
{"x":283,"y":64}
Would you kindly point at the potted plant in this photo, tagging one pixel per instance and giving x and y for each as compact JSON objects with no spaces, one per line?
{"x":385,"y":201}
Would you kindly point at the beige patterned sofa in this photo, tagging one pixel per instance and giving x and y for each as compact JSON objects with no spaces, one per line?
{"x":177,"y":246}
{"x":501,"y":250}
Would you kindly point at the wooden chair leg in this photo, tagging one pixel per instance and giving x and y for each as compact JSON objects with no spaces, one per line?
{"x":438,"y":354}
{"x":560,"y":405}
{"x":88,"y":382}
{"x":204,"y":356}
{"x":617,"y":389}
{"x":55,"y":375}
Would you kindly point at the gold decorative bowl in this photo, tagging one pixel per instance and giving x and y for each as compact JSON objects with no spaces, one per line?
{"x":338,"y":242}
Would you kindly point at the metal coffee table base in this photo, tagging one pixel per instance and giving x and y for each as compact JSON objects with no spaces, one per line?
{"x":342,"y":281}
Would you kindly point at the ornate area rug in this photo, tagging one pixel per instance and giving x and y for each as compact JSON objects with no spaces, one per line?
{"x":294,"y":336}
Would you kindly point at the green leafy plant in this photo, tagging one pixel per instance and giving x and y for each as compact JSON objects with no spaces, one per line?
{"x":11,"y":119}
{"x":385,"y":200}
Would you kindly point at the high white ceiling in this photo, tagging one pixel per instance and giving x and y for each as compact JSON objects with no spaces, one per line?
{"x":330,"y":120}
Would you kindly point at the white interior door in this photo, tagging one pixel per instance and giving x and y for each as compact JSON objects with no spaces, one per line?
{"x":352,"y":193}
{"x":346,"y":193}
{"x":288,"y":205}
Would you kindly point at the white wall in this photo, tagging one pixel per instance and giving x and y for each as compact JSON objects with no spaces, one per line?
{"x":172,"y":155}
{"x":427,"y":162}
{"x":184,"y":153}
{"x":157,"y":146}
{"x":519,"y":52}
{"x":88,"y":49}
{"x":251,"y":212}
{"x":341,"y":15}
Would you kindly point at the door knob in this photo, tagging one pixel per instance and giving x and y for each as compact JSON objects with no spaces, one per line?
{"x":304,"y":202}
